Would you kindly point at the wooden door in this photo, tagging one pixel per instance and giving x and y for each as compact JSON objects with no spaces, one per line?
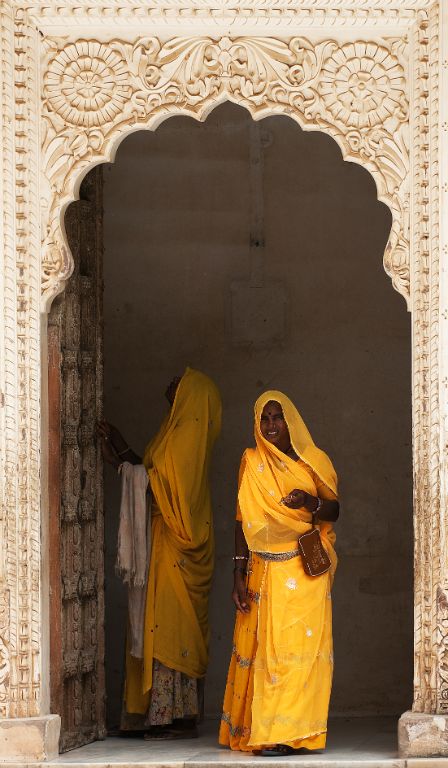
{"x":75,"y":341}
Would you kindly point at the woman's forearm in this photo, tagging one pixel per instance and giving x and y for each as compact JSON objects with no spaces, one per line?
{"x":123,"y":449}
{"x":241,"y":548}
{"x":328,"y":511}
{"x":323,"y":510}
{"x":130,"y":456}
{"x":239,"y":594}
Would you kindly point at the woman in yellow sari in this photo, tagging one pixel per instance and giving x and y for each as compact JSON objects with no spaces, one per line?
{"x":162,"y":686}
{"x":279,"y":681}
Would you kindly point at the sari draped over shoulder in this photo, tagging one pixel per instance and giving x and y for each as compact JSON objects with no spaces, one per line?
{"x":268,"y":475}
{"x":177,"y":460}
{"x":280,"y":674}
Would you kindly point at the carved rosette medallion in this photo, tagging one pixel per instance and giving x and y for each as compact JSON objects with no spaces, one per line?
{"x":363,"y":85}
{"x":87,"y":84}
{"x":94,"y":93}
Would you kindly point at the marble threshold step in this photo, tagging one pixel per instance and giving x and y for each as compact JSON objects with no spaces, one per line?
{"x":363,"y":742}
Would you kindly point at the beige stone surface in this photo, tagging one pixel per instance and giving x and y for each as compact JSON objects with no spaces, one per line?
{"x":29,"y":739}
{"x":422,"y":735}
{"x":352,"y":743}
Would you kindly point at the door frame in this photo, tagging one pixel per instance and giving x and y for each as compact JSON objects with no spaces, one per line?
{"x":75,"y":480}
{"x":77,"y":78}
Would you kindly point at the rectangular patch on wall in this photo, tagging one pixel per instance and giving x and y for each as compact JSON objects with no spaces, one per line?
{"x":258,"y":313}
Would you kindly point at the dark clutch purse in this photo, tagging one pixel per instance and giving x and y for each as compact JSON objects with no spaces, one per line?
{"x":314,"y":557}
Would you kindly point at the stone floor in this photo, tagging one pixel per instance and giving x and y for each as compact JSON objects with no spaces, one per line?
{"x":352,"y":743}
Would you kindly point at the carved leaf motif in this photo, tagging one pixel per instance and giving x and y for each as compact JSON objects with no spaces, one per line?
{"x":4,"y":662}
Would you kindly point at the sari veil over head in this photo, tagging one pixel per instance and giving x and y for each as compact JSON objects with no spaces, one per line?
{"x":269,"y":475}
{"x":177,"y":461}
{"x":178,"y":458}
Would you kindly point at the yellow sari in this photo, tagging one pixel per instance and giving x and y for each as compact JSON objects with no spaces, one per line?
{"x":279,"y":681}
{"x":181,"y":565}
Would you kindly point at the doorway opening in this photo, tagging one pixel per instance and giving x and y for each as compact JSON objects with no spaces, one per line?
{"x":252,"y":251}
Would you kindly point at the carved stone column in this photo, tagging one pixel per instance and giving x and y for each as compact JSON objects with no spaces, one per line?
{"x":424,"y":730}
{"x":27,"y":732}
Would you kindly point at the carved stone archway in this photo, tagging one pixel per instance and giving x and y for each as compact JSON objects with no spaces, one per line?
{"x":79,"y":76}
{"x":95,"y":93}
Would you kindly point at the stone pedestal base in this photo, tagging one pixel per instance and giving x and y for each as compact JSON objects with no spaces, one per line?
{"x":421,"y":735}
{"x":29,"y":739}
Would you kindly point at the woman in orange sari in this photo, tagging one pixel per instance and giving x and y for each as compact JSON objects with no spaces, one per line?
{"x":164,"y":664}
{"x":279,"y":681}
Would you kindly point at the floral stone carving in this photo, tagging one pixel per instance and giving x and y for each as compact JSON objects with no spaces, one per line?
{"x":363,"y":85}
{"x":95,"y":93}
{"x":87,"y":84}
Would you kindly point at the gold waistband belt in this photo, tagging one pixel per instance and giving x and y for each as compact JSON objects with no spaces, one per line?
{"x":277,"y":555}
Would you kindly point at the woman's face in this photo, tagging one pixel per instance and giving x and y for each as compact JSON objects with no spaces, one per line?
{"x":274,"y":427}
{"x":170,"y":392}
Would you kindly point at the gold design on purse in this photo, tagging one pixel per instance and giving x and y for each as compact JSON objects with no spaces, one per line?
{"x":314,"y":556}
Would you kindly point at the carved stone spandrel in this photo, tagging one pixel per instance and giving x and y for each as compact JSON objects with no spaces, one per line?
{"x":95,"y":93}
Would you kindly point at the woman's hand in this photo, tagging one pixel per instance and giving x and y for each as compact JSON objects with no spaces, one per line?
{"x":296,"y":499}
{"x":106,"y":431}
{"x":328,"y":508}
{"x":109,"y":453}
{"x":113,"y":445}
{"x":110,"y":438}
{"x":239,"y":594}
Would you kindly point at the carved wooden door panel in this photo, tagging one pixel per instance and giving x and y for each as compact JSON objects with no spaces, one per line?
{"x":75,"y":480}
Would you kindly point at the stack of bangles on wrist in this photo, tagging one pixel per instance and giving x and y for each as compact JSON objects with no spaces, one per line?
{"x":238,"y":567}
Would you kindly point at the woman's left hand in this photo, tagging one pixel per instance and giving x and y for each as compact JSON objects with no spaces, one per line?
{"x":295,"y":500}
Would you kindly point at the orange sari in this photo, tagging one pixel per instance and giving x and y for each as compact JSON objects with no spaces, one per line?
{"x":176,"y":629}
{"x":280,"y":674}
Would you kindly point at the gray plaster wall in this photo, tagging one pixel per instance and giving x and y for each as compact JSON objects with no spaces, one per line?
{"x":254,"y":252}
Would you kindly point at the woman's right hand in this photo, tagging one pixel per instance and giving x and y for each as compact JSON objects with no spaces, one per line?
{"x":106,"y":431}
{"x":239,"y":594}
